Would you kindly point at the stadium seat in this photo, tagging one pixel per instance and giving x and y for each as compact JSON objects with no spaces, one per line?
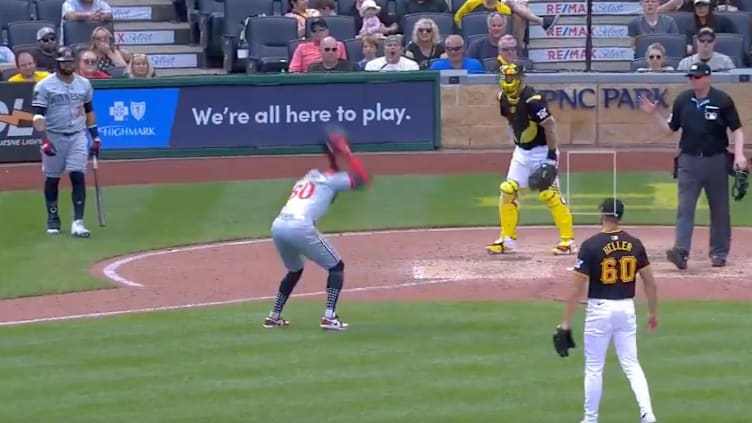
{"x":471,"y":39}
{"x":25,"y":32}
{"x":643,"y":63}
{"x":117,"y":72}
{"x":354,"y":47}
{"x":743,"y":23}
{"x":685,"y":21}
{"x":48,"y":10}
{"x":232,"y":21}
{"x":732,"y":45}
{"x":13,"y":10}
{"x":345,"y":6}
{"x":456,"y":4}
{"x":745,"y":5}
{"x":340,"y":27}
{"x":675,"y":44}
{"x":7,"y":73}
{"x":445,"y":22}
{"x":80,"y":31}
{"x":268,"y":40}
{"x":205,"y":21}
{"x":291,"y":46}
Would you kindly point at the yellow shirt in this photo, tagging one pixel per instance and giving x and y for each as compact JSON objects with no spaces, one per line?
{"x":471,"y":5}
{"x":38,"y":76}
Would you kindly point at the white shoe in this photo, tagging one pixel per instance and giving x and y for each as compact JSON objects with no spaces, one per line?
{"x":78,"y":229}
{"x":647,"y":418}
{"x":502,"y":246}
{"x":333,"y":324}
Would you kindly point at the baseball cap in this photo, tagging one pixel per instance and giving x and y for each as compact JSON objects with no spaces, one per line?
{"x":65,"y":54}
{"x":702,"y":2}
{"x":393,"y":39}
{"x":699,"y":69}
{"x":318,"y":23}
{"x":706,"y":30}
{"x":45,"y":31}
{"x":612,"y":207}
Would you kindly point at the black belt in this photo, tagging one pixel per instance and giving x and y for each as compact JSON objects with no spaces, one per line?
{"x":701,"y":154}
{"x":66,"y":134}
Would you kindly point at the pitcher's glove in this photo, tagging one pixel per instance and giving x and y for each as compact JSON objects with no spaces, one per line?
{"x":563,"y":341}
{"x":741,"y":184}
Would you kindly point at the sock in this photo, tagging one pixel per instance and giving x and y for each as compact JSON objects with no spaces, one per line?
{"x":333,"y":287}
{"x":78,"y":194}
{"x":50,"y":195}
{"x":286,"y":287}
{"x":559,"y":211}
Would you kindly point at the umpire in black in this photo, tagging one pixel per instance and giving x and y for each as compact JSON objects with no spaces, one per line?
{"x":703,"y":113}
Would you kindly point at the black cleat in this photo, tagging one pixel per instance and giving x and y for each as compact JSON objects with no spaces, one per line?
{"x":678,"y":257}
{"x":53,"y":224}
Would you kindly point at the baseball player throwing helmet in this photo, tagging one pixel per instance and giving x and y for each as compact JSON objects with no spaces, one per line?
{"x":295,"y":235}
{"x":63,"y":110}
{"x":533,"y":164}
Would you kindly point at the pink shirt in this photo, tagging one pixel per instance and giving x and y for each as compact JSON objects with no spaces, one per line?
{"x":308,"y":52}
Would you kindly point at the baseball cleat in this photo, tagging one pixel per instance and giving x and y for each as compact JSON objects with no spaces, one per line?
{"x":565,"y":248}
{"x":279,"y":322}
{"x":647,"y":418}
{"x":79,"y":230}
{"x":718,"y":262}
{"x":53,"y":225}
{"x":507,"y":245}
{"x":678,"y":257}
{"x":333,"y":324}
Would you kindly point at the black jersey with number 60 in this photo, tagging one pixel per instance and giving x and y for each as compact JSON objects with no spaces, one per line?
{"x":610,"y":262}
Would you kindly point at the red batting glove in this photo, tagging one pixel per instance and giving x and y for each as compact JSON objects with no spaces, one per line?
{"x":48,"y":148}
{"x":94,"y":149}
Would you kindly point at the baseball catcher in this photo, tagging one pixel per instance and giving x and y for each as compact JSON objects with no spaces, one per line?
{"x":534,"y":161}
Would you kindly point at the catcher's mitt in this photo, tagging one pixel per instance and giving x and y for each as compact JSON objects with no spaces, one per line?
{"x":543,"y":177}
{"x":563,"y":341}
{"x":741,"y":184}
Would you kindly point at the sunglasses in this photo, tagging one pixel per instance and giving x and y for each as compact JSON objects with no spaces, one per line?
{"x":90,"y":61}
{"x":318,"y":28}
{"x":330,"y":48}
{"x":453,"y":48}
{"x":696,"y":76}
{"x":655,"y":56}
{"x":48,"y":39}
{"x":509,"y":49}
{"x":426,"y":30}
{"x":706,"y":40}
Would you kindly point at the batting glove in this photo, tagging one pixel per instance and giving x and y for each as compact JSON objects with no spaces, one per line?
{"x":94,"y":149}
{"x":48,"y":148}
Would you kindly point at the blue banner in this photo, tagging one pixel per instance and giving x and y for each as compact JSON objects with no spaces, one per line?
{"x":289,"y":115}
{"x":135,"y":118}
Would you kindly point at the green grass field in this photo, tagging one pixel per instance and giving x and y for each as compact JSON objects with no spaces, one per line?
{"x":437,"y":362}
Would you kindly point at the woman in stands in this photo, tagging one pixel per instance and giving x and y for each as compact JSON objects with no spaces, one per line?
{"x":109,"y":55}
{"x":425,"y":44}
{"x":655,"y":55}
{"x":300,"y":11}
{"x":140,"y":67}
{"x":86,"y":66}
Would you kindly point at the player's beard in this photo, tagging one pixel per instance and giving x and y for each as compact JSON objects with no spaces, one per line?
{"x":65,"y":71}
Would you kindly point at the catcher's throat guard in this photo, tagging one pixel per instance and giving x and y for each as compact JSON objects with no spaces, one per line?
{"x":510,"y":80}
{"x":543,"y":177}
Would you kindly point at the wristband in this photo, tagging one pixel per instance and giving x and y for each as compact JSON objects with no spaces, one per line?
{"x":551,"y":155}
{"x":93,"y":131}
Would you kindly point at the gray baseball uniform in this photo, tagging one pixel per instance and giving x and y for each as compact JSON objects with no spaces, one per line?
{"x":66,"y":122}
{"x":294,"y":229}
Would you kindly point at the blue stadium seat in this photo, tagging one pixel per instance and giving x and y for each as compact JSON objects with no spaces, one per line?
{"x":340,"y":27}
{"x":268,"y":41}
{"x":48,"y":10}
{"x":232,"y":21}
{"x":354,"y":47}
{"x":732,"y":45}
{"x":80,"y":31}
{"x":25,"y":32}
{"x":11,"y":11}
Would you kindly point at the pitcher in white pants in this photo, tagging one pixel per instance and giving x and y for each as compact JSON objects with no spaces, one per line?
{"x":608,"y":264}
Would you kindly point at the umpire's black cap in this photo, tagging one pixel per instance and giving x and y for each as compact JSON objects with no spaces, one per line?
{"x":612,"y":207}
{"x":65,"y":54}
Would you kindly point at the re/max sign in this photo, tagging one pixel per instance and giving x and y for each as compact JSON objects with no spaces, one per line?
{"x":620,"y":98}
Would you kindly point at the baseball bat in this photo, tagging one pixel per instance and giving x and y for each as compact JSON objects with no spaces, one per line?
{"x":98,"y":191}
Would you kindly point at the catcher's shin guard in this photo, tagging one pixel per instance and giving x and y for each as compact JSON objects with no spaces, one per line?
{"x":560,"y":212}
{"x":509,"y":213}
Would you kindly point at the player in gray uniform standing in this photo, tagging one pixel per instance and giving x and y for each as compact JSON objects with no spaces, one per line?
{"x":295,"y":235}
{"x":63,"y":110}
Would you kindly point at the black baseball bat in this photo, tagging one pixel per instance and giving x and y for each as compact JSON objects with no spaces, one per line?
{"x":98,"y":191}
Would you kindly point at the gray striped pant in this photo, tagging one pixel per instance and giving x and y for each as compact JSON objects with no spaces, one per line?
{"x":295,"y":239}
{"x":72,"y":154}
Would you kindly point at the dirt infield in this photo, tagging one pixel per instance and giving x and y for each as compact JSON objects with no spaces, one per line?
{"x":448,"y":264}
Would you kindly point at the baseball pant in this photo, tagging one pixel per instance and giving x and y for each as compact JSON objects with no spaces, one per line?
{"x":72,"y":154}
{"x":296,"y":238}
{"x":695,"y":174}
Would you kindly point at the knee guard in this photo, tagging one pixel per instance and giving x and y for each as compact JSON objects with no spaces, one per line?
{"x":339,"y":267}
{"x":509,"y":189}
{"x":290,"y":280}
{"x":551,"y":197}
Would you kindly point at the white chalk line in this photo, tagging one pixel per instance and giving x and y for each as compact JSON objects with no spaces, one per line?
{"x":111,"y":271}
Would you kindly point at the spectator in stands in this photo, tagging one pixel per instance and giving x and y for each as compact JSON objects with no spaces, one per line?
{"x":7,"y":57}
{"x":689,"y":5}
{"x":728,"y":6}
{"x":300,"y":11}
{"x":27,"y":69}
{"x":455,"y":57}
{"x":308,"y":52}
{"x":392,"y":59}
{"x":86,"y":66}
{"x":329,"y":60}
{"x":109,"y":55}
{"x":489,"y":46}
{"x":390,"y":24}
{"x":370,"y":49}
{"x":706,"y":54}
{"x":45,"y":51}
{"x":326,"y":7}
{"x":140,"y":67}
{"x":655,"y":55}
{"x":519,"y":12}
{"x":405,"y":7}
{"x":507,"y":50}
{"x":87,"y":10}
{"x":650,"y":22}
{"x":424,"y":45}
{"x":371,"y":24}
{"x":704,"y":17}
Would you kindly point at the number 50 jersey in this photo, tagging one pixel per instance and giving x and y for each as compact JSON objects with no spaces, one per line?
{"x":610,"y":262}
{"x":312,"y":195}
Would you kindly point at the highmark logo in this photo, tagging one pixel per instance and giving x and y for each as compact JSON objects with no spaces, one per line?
{"x":119,"y":112}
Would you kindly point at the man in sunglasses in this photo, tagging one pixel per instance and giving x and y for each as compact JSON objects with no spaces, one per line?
{"x":45,"y":52}
{"x":706,"y":54}
{"x":309,"y":52}
{"x":704,"y":114}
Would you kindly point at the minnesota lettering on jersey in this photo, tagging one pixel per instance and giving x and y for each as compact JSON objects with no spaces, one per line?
{"x":64,"y":102}
{"x":610,"y":261}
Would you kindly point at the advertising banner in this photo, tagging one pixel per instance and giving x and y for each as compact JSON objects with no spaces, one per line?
{"x":289,"y":115}
{"x":579,"y":31}
{"x":18,"y":140}
{"x":580,"y":8}
{"x":573,"y":54}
